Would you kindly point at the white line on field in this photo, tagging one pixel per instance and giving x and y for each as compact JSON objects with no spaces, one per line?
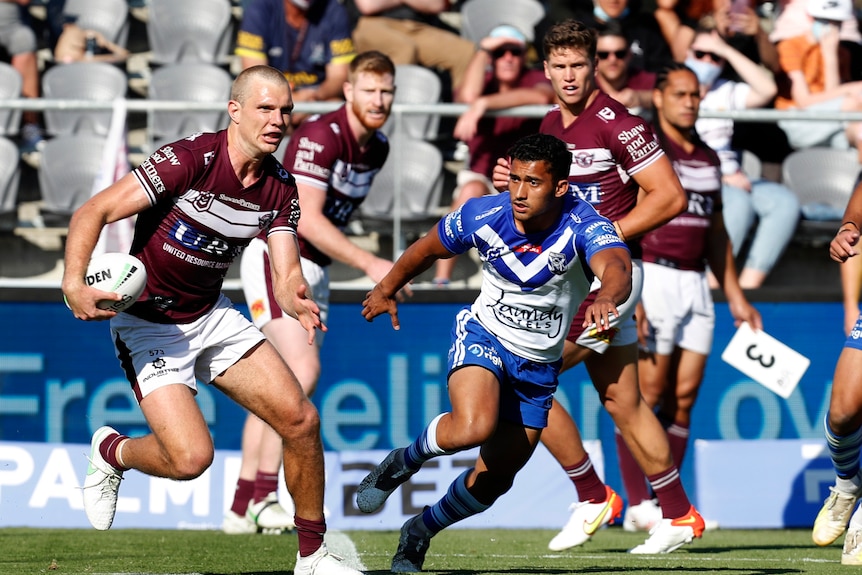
{"x":340,"y":544}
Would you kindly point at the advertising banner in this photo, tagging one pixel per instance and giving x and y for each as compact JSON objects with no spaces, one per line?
{"x":59,"y":381}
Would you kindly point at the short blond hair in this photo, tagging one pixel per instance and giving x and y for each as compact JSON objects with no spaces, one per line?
{"x":240,"y":89}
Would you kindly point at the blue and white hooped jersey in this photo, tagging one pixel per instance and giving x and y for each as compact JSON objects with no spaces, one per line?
{"x":532,"y":284}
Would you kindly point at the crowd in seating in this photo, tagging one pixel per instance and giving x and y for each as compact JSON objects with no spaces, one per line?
{"x":793,"y":54}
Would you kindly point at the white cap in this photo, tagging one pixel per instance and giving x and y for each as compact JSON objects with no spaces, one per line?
{"x":508,"y":32}
{"x":838,"y":10}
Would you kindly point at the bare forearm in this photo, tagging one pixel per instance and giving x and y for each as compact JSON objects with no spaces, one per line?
{"x":83,"y":234}
{"x":616,"y":282}
{"x":723,"y":266}
{"x":654,"y":210}
{"x":285,"y":290}
{"x":417,"y":258}
{"x":474,"y":78}
{"x":756,"y":76}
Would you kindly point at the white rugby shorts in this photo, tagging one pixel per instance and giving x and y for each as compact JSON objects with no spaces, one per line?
{"x":158,"y":354}
{"x":679,"y":308}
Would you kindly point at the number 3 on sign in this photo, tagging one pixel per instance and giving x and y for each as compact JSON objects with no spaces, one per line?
{"x":766,"y":360}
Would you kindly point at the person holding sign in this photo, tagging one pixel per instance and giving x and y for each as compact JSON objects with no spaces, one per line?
{"x":843,"y":424}
{"x":676,"y":318}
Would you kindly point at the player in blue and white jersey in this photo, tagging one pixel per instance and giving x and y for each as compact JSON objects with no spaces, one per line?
{"x":842,"y":425}
{"x":540,"y":248}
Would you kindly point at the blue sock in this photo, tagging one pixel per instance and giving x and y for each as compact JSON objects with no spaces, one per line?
{"x":844,"y":450}
{"x":456,"y":505}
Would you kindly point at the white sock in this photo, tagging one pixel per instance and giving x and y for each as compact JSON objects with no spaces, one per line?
{"x":850,"y":485}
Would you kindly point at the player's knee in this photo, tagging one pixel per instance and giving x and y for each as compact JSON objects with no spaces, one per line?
{"x":191,"y":463}
{"x":301,"y":421}
{"x":467,"y":432}
{"x":844,"y":422}
{"x":489,"y":486}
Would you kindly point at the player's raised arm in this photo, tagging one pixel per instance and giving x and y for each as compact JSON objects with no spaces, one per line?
{"x":417,"y":258}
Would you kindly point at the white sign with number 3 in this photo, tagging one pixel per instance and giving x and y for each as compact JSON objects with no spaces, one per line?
{"x":766,"y":360}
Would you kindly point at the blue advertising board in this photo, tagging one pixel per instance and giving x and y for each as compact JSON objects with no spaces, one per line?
{"x":59,"y":381}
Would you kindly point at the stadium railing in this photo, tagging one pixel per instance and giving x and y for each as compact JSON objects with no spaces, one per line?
{"x":399,"y":111}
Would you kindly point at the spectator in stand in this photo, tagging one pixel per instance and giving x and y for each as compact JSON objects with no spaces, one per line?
{"x":739,"y":26}
{"x":309,"y":40}
{"x":735,"y":20}
{"x":616,"y":76}
{"x":19,"y":41}
{"x":769,"y":207}
{"x":676,"y":318}
{"x":411,"y":32}
{"x":75,"y":43}
{"x":649,"y":50}
{"x":793,"y":20}
{"x":497,"y":78}
{"x":812,"y":67}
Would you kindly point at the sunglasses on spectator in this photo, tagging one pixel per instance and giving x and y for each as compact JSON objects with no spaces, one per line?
{"x":618,"y":54}
{"x":700,"y":55}
{"x":516,"y":51}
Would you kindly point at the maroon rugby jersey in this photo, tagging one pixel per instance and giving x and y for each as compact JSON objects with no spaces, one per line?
{"x":200,"y":220}
{"x":609,"y":145}
{"x":681,"y":243}
{"x":324,"y":154}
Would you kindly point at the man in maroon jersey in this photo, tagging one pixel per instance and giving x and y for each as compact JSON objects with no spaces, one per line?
{"x":676,"y":319}
{"x":199,"y":201}
{"x":613,"y":154}
{"x":334,"y":158}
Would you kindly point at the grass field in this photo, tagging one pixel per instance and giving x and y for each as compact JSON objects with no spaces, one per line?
{"x":455,"y":551}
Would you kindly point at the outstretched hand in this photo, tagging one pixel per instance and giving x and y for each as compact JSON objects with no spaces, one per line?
{"x":376,"y":303}
{"x":599,"y":313}
{"x":307,"y":312}
{"x":378,"y":270}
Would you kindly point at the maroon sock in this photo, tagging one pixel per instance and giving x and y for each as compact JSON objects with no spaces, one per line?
{"x":586,"y":480}
{"x":633,"y":477}
{"x":242,"y":495}
{"x":667,"y":486}
{"x":677,"y":436}
{"x":108,"y":450}
{"x":264,"y":484}
{"x":309,"y":535}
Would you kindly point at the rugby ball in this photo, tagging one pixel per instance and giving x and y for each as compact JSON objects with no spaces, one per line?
{"x":119,"y":273}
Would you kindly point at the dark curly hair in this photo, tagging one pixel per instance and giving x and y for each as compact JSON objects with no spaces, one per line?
{"x":542,"y":147}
